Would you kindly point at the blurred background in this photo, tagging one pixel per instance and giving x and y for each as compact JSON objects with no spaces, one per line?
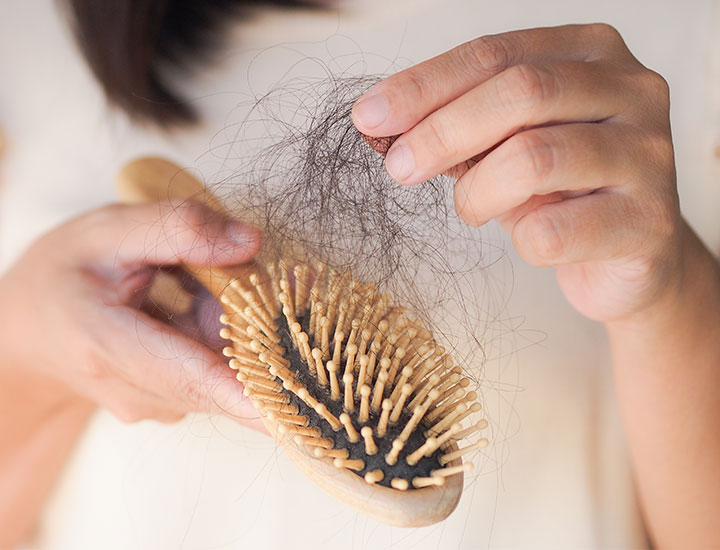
{"x":547,"y":480}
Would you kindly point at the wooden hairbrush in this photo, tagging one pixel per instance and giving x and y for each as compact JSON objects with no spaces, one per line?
{"x":359,"y":396}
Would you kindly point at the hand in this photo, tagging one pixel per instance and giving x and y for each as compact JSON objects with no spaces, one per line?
{"x":70,"y":312}
{"x":562,"y":136}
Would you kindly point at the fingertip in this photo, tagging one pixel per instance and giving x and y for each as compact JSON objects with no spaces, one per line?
{"x":227,"y":397}
{"x":246,"y":239}
{"x":400,"y":164}
{"x":370,"y":111}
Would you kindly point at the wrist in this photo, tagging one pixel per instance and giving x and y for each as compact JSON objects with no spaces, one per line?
{"x":689,"y":292}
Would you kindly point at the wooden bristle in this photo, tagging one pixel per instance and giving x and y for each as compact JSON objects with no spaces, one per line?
{"x":374,"y":476}
{"x":307,"y":431}
{"x":326,"y":444}
{"x":424,"y":391}
{"x":325,"y":337}
{"x":344,"y":373}
{"x":460,"y":412}
{"x":365,"y":403}
{"x":480,"y":425}
{"x":355,"y":464}
{"x":400,"y":484}
{"x":294,"y":419}
{"x":378,"y":391}
{"x":392,"y":457}
{"x":420,"y":482}
{"x":351,"y":351}
{"x":319,"y":452}
{"x":429,"y":445}
{"x":266,"y":297}
{"x":304,"y":347}
{"x":384,"y":417}
{"x":374,"y":348}
{"x":337,"y":353}
{"x":348,"y":388}
{"x":362,"y":372}
{"x":404,"y":377}
{"x":319,"y":316}
{"x":453,"y":470}
{"x":370,"y":446}
{"x":323,"y":411}
{"x":319,"y":367}
{"x":418,"y":413}
{"x":405,"y":392}
{"x":302,"y":288}
{"x":279,"y":407}
{"x":352,"y":434}
{"x":334,"y":385}
{"x":447,"y":458}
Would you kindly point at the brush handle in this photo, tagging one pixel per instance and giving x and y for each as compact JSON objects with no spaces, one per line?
{"x":153,"y":179}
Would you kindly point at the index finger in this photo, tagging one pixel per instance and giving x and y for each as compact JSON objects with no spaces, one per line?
{"x":162,"y":233}
{"x":399,"y":102}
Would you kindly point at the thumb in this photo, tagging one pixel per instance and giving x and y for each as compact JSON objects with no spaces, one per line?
{"x":166,"y":233}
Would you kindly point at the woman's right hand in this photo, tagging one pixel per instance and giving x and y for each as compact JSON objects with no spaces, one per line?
{"x":70,"y":312}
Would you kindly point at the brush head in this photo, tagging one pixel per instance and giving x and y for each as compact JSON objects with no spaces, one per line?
{"x":359,"y":395}
{"x":353,"y":388}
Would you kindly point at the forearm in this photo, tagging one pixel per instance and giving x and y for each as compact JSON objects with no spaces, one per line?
{"x":667,"y":371}
{"x":39,"y":427}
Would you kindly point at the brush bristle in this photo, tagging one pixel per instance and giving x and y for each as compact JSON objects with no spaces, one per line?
{"x":349,"y":376}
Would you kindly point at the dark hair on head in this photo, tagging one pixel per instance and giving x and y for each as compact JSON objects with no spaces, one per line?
{"x":132,"y":46}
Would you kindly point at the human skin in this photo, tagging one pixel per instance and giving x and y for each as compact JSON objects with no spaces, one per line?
{"x":644,"y":274}
{"x":562,"y":136}
{"x":74,"y":335}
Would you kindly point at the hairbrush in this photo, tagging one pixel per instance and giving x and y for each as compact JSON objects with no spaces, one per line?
{"x":358,"y":394}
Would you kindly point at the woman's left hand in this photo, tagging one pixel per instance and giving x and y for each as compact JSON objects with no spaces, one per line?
{"x":562,"y":136}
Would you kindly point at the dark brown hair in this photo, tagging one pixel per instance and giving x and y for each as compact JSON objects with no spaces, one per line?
{"x":133,"y":45}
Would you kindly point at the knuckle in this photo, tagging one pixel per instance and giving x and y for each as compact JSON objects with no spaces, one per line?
{"x":540,"y":239}
{"x":95,"y":365}
{"x":185,"y":226}
{"x":662,"y":208}
{"x":128,"y":414}
{"x":661,"y":149}
{"x":420,"y":88}
{"x":415,"y":86}
{"x":437,"y":136}
{"x":523,"y":87}
{"x":604,"y":32}
{"x":535,"y":156}
{"x":169,"y":417}
{"x":492,"y":54}
{"x":110,"y":211}
{"x":657,"y":87}
{"x":189,"y":215}
{"x":188,"y":389}
{"x":104,"y":216}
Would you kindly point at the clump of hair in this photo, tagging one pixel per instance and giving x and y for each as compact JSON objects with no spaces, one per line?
{"x":321,"y":194}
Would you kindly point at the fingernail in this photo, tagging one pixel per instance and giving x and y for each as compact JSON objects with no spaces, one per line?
{"x":400,"y":162}
{"x":242,"y":234}
{"x":371,"y":111}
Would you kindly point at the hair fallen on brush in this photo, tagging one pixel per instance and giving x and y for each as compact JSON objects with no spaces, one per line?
{"x":135,"y":47}
{"x":298,"y":168}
